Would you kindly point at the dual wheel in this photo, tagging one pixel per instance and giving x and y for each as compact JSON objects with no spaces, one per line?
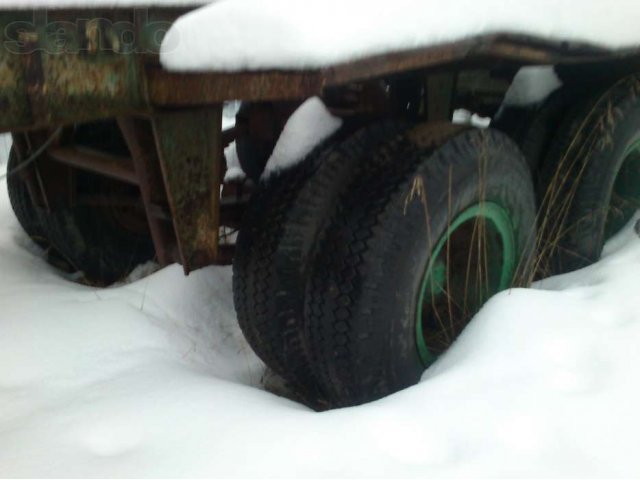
{"x":359,"y":267}
{"x":96,"y":233}
{"x":590,"y":177}
{"x":583,"y":148}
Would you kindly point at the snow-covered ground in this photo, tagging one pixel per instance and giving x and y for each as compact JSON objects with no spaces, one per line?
{"x":153,"y":378}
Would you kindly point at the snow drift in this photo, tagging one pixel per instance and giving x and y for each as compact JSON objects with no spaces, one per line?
{"x":153,"y":378}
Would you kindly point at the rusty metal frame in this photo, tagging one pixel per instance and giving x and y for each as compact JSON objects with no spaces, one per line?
{"x":93,"y":161}
{"x":172,"y":121}
{"x":189,"y":145}
{"x":173,"y":89}
{"x":138,"y":134}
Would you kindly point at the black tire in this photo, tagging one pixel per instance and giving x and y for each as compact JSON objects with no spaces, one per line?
{"x":585,"y":164}
{"x":22,"y":204}
{"x":257,"y":130}
{"x":362,"y":297}
{"x":104,"y":243}
{"x":255,"y":277}
{"x":94,"y":241}
{"x":533,"y":128}
{"x":253,"y":152}
{"x":282,"y":230}
{"x":515,"y":122}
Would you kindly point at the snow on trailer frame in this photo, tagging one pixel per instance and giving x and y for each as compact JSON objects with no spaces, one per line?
{"x":67,"y":72}
{"x":70,"y":66}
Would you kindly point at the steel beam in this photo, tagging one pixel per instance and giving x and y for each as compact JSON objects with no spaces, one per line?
{"x":140,"y":139}
{"x":94,"y":161}
{"x":189,"y":144}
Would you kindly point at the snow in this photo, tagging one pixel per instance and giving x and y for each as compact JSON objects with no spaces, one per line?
{"x":229,"y":112}
{"x":153,"y":378}
{"x":234,"y":171}
{"x":290,"y":34}
{"x":532,"y":85}
{"x":462,"y":116}
{"x":5,"y":147}
{"x":307,"y":127}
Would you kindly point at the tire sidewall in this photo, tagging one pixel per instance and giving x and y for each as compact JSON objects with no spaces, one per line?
{"x":582,"y":168}
{"x":593,"y":197}
{"x":397,"y":256}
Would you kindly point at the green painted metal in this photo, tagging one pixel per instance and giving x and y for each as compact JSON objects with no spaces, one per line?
{"x":625,"y":197}
{"x":438,"y":278}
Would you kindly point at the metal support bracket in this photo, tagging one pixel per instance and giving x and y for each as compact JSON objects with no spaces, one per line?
{"x":139,"y":136}
{"x":189,"y":144}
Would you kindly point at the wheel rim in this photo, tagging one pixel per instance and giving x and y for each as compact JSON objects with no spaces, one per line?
{"x":473,"y":260}
{"x":625,"y":197}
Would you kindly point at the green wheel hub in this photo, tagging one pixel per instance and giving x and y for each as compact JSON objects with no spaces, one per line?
{"x":474,"y":259}
{"x":625,"y":197}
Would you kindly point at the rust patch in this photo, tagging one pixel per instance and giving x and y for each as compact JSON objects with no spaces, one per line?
{"x":172,"y":89}
{"x":189,"y":144}
{"x":74,"y":76}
